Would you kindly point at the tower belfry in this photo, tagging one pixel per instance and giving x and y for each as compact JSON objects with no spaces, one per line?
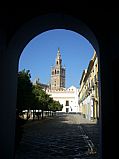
{"x":58,"y":58}
{"x":58,"y":74}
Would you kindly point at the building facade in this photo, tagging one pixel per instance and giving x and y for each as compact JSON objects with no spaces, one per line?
{"x":88,"y":93}
{"x":68,"y":97}
{"x":42,"y":85}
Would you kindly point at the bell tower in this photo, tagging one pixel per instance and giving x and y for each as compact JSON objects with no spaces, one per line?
{"x":58,"y":74}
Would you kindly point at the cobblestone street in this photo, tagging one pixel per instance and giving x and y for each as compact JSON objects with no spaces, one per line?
{"x":59,"y":137}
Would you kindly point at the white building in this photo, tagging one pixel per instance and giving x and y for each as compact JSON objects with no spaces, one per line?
{"x":67,"y":97}
{"x":88,"y":92}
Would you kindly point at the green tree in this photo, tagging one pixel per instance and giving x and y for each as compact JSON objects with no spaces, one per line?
{"x":24,"y":91}
{"x":42,"y":98}
{"x":55,"y":106}
{"x":36,"y":104}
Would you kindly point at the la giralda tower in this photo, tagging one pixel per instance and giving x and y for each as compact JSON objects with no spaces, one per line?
{"x":58,"y":74}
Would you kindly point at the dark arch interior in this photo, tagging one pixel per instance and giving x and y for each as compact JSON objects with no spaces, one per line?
{"x":19,"y":25}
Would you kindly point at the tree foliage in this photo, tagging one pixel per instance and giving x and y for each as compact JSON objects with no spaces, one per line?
{"x":24,"y":91}
{"x":55,"y":106}
{"x":33,"y":97}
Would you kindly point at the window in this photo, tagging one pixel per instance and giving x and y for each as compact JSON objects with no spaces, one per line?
{"x":67,"y":103}
{"x":95,"y":78}
{"x":92,"y":83}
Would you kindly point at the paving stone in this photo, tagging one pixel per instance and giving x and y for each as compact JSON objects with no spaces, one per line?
{"x":60,"y":137}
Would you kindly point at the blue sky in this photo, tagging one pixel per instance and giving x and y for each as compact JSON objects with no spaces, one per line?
{"x":40,"y":53}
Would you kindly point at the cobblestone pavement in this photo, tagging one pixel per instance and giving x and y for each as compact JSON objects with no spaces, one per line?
{"x":60,"y":137}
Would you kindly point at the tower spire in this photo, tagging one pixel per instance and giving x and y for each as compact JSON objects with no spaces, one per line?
{"x":58,"y":53}
{"x":58,"y":58}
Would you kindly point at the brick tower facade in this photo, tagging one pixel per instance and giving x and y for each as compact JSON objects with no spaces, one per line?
{"x":58,"y":74}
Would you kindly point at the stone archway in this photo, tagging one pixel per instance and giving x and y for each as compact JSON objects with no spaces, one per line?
{"x":27,"y":32}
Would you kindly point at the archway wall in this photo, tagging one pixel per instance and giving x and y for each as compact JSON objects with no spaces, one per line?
{"x":44,"y":23}
{"x":10,"y":66}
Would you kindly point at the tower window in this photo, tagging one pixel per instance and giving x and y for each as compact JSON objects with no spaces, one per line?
{"x":58,"y":72}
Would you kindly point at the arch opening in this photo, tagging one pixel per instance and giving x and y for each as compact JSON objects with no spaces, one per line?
{"x":45,"y":23}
